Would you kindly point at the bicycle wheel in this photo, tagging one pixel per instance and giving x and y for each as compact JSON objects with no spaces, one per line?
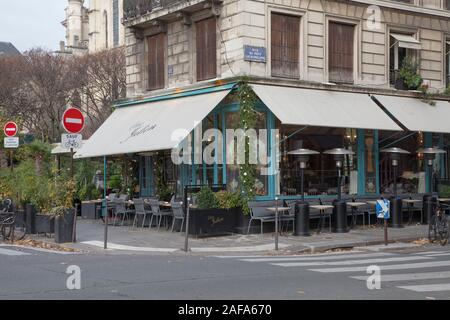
{"x":432,"y":232}
{"x":18,"y":231}
{"x":443,"y":229}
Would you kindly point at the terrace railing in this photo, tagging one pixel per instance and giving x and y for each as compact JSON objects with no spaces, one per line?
{"x":136,"y":8}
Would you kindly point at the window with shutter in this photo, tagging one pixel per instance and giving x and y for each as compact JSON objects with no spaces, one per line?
{"x":206,"y":49}
{"x":285,"y":46}
{"x":156,"y":61}
{"x":341,"y":52}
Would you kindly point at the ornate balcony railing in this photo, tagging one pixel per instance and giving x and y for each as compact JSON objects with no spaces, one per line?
{"x":135,"y":8}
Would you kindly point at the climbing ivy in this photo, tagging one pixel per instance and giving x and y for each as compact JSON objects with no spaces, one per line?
{"x":248,"y":118}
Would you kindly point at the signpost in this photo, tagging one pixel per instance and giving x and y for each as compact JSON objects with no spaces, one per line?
{"x":73,"y":123}
{"x":11,"y":141}
{"x":383,"y":212}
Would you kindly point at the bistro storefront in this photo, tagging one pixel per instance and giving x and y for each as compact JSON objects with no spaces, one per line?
{"x":293,"y":118}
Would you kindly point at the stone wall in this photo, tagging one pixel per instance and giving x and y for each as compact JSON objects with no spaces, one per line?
{"x":247,"y":22}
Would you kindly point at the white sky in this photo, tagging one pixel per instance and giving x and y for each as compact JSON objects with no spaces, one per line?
{"x":32,"y":23}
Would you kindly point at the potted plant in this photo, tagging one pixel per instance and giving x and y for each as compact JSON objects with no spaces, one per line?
{"x":216,"y":213}
{"x":64,"y":224}
{"x":409,"y":75}
{"x":45,"y":223}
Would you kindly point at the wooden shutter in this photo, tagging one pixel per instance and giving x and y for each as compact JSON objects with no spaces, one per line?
{"x":341,"y":52}
{"x":206,"y":49}
{"x":285,"y":46}
{"x":156,"y":61}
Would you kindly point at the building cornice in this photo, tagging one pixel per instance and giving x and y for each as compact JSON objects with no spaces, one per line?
{"x":405,"y":7}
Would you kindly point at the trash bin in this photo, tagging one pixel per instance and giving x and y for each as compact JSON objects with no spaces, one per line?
{"x":340,"y":216}
{"x":396,"y":212}
{"x":301,"y":219}
{"x":429,"y":205}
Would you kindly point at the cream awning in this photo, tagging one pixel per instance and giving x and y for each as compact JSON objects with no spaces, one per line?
{"x":151,"y":126}
{"x":405,"y":41}
{"x":323,"y":108}
{"x":417,"y":115}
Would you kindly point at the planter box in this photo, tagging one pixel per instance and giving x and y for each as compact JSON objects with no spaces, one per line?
{"x":400,"y":84}
{"x":20,"y":217}
{"x":212,"y":222}
{"x":91,"y":209}
{"x":45,"y":224}
{"x":64,"y":227}
{"x":30,"y":219}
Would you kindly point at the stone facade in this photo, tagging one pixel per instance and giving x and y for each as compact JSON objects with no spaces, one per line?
{"x":94,"y":28}
{"x":247,"y":22}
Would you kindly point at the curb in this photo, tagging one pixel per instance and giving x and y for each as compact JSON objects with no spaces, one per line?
{"x":311,"y":248}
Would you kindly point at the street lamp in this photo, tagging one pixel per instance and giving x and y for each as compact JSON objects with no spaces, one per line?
{"x":302,"y":213}
{"x":340,"y":206}
{"x":429,"y":201}
{"x":395,"y":203}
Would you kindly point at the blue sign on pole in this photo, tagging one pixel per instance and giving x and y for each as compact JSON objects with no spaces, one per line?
{"x":383,"y":209}
{"x":255,"y":54}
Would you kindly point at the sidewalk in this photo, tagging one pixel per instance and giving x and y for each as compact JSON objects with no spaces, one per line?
{"x":90,"y":238}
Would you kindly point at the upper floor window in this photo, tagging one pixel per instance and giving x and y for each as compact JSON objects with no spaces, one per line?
{"x":206,"y":49}
{"x":447,"y":4}
{"x":116,"y":22}
{"x":341,"y":41}
{"x":285,"y":46}
{"x":403,"y":47}
{"x":156,"y":61}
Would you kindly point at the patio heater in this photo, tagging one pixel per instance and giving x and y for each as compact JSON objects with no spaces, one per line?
{"x":340,"y":206}
{"x":429,"y":200}
{"x":302,"y":208}
{"x":395,"y":201}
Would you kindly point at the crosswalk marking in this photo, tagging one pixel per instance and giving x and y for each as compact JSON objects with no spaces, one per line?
{"x":12,"y":252}
{"x":438,"y":254}
{"x":431,"y":264}
{"x":348,"y":262}
{"x":428,"y":287}
{"x":409,"y":276}
{"x":334,"y":257}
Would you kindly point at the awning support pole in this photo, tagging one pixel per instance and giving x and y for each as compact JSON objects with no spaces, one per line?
{"x":105,"y":204}
{"x":400,"y":139}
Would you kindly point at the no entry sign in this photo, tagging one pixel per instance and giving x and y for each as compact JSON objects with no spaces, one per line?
{"x":73,"y":120}
{"x":10,"y":129}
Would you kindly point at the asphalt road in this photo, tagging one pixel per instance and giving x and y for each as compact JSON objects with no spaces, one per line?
{"x":412,"y":274}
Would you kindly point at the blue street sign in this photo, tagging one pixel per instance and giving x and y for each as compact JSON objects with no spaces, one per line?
{"x":256,"y":54}
{"x":383,"y":209}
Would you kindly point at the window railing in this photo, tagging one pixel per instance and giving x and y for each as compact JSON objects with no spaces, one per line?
{"x":136,"y":8}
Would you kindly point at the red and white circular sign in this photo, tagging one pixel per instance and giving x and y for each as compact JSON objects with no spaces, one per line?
{"x":10,"y":129}
{"x":73,"y":120}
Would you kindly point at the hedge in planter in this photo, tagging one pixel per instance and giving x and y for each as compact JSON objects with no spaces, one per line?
{"x":217,"y":213}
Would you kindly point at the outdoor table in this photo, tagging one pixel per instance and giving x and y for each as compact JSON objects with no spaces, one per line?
{"x":354,"y":206}
{"x":322,"y":208}
{"x":410,"y":204}
{"x":444,"y":199}
{"x":165,"y":204}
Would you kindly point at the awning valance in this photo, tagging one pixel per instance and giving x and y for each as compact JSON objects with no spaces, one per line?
{"x":151,"y":126}
{"x":322,"y":108}
{"x":417,"y":115}
{"x":408,"y":42}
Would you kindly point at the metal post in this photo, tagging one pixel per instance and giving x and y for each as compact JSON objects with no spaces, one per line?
{"x":339,"y":184}
{"x":302,"y":173}
{"x":385,"y":232}
{"x":395,"y":181}
{"x":430,"y":166}
{"x":186,"y":237}
{"x":105,"y":203}
{"x":74,"y":228}
{"x":276,"y":223}
{"x":11,"y":160}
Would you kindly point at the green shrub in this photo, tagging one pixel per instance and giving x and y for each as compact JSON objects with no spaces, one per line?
{"x":229,"y":200}
{"x":409,"y":74}
{"x":206,"y":199}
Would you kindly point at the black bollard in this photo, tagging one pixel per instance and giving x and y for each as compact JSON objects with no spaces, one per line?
{"x":340,"y":216}
{"x":396,"y":212}
{"x":301,"y":219}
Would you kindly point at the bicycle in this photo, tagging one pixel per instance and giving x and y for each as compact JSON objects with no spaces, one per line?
{"x":438,"y":229}
{"x":10,"y":229}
